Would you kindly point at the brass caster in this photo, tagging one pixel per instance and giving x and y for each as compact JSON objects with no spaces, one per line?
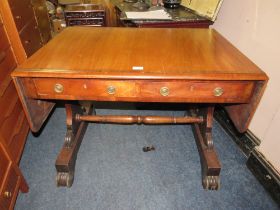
{"x":64,"y":179}
{"x":211,"y":183}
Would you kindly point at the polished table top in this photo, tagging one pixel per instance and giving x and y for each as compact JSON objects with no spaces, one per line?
{"x":158,"y":53}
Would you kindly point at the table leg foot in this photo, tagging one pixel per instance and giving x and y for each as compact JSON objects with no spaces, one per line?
{"x":66,"y":160}
{"x":210,"y":164}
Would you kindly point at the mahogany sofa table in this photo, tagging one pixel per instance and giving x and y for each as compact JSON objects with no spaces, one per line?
{"x":192,"y":66}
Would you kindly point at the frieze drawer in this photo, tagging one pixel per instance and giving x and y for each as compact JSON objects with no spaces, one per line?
{"x":84,"y":88}
{"x":197,"y":91}
{"x":146,"y":91}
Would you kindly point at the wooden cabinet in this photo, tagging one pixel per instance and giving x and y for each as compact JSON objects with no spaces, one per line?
{"x":9,"y":189}
{"x":22,"y":12}
{"x":30,"y":37}
{"x":85,"y":15}
{"x":32,"y":22}
{"x":11,"y":180}
{"x":12,"y":120}
{"x":19,"y":38}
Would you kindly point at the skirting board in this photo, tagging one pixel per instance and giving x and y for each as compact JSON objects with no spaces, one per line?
{"x":265,"y":173}
{"x":256,"y":162}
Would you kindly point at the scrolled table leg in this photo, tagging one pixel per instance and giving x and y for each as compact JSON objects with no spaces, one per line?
{"x":66,"y":160}
{"x":210,"y":163}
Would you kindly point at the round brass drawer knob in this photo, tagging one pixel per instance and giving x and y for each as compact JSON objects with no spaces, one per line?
{"x":164,"y":91}
{"x":111,"y":90}
{"x":58,"y":88}
{"x":7,"y":194}
{"x":218,"y":91}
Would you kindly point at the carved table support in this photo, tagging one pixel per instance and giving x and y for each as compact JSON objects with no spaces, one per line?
{"x":65,"y":162}
{"x":210,"y":164}
{"x":77,"y":118}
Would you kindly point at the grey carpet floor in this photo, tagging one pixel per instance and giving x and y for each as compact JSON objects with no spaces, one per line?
{"x":112,"y":171}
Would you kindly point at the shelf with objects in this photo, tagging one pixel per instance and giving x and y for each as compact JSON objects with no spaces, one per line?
{"x":65,"y":13}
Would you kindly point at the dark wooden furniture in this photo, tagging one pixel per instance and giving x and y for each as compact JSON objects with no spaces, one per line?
{"x":85,"y":15}
{"x":11,"y":179}
{"x":32,"y":23}
{"x":194,"y":66}
{"x":13,"y":124}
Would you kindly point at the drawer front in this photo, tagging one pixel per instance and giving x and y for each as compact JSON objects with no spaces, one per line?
{"x":83,"y":89}
{"x":8,"y":102}
{"x":4,"y":163}
{"x":86,"y":22}
{"x":6,"y":67}
{"x":196,"y":91}
{"x":4,"y":42}
{"x":30,"y":38}
{"x":18,"y":138}
{"x":93,"y":14}
{"x":8,"y":126}
{"x":22,"y":12}
{"x":9,"y":190}
{"x":141,"y":90}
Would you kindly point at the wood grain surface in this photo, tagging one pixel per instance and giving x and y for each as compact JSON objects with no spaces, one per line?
{"x":80,"y":52}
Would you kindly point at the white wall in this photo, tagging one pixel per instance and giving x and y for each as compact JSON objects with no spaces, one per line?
{"x":253,"y":26}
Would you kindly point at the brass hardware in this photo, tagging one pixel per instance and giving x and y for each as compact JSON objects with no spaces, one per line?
{"x":7,"y":194}
{"x":164,"y":91}
{"x":218,"y":91}
{"x":58,"y":88}
{"x":18,"y":17}
{"x":111,"y":90}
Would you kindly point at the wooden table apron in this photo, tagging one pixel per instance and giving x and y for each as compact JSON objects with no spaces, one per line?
{"x":196,"y":66}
